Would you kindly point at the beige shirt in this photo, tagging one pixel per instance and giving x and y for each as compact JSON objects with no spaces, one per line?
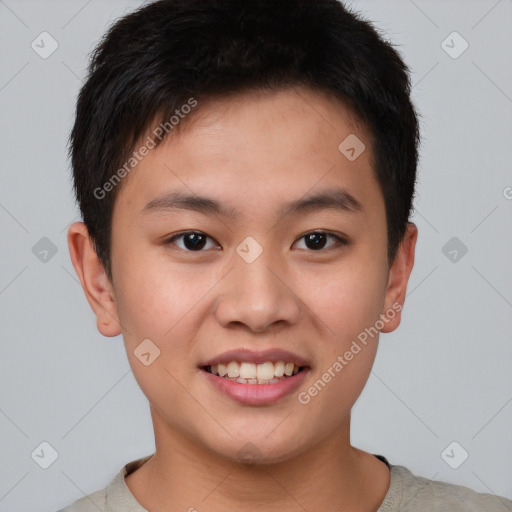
{"x":406,"y":493}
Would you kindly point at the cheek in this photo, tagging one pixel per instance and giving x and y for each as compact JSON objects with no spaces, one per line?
{"x":156,"y":297}
{"x":161,"y":303}
{"x":161,"y":311}
{"x":346,"y":352}
{"x":346,"y":299}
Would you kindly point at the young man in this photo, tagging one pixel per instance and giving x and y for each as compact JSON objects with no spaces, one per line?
{"x":245,"y":172}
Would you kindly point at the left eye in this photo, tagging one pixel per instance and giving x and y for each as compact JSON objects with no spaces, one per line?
{"x":316,"y":240}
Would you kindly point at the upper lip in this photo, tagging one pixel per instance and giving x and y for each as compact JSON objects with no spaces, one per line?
{"x":250,"y":356}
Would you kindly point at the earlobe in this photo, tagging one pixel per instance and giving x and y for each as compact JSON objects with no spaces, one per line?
{"x":95,"y":283}
{"x":398,"y":278}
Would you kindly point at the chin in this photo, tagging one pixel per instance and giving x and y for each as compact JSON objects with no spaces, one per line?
{"x":252,"y":450}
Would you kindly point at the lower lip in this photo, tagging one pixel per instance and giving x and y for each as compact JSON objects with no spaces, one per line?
{"x":257,"y":394}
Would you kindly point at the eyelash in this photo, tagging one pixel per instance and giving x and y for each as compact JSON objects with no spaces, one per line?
{"x":340,"y":241}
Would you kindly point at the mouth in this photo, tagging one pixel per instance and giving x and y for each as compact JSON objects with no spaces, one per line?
{"x":268,"y":372}
{"x":256,"y":378}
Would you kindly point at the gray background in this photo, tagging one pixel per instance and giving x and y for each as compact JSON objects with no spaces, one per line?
{"x":444,"y":376}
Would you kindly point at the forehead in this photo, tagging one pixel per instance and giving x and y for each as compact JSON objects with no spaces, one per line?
{"x":257,"y":146}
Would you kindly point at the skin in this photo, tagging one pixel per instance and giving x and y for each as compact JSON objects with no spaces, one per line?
{"x":252,"y":152}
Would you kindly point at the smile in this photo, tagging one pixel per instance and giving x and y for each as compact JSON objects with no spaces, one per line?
{"x":250,"y":373}
{"x":254,"y":391}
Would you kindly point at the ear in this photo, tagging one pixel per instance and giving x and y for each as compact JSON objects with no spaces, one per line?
{"x":399,"y":277}
{"x":94,"y":280}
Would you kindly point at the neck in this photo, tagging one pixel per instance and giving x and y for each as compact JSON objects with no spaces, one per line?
{"x":332,"y":475}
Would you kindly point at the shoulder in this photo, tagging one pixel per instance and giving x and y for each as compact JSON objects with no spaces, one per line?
{"x":116,"y":496}
{"x":90,"y":503}
{"x":418,"y":493}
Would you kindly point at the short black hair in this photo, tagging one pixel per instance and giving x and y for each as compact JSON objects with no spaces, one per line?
{"x":172,"y":54}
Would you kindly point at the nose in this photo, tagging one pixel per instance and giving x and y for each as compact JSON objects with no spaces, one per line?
{"x":257,"y":296}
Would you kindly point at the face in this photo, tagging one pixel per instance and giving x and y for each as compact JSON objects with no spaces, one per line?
{"x":250,"y":237}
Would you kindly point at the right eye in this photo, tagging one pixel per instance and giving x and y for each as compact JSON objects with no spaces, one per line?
{"x":193,"y":241}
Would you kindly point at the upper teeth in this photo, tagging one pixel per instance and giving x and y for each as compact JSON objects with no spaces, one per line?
{"x":264,"y":371}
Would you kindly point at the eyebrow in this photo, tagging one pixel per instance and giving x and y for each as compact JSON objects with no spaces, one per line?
{"x":333,"y":198}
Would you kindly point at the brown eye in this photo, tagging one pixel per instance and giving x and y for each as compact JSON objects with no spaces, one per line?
{"x":317,"y":240}
{"x":194,"y":241}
